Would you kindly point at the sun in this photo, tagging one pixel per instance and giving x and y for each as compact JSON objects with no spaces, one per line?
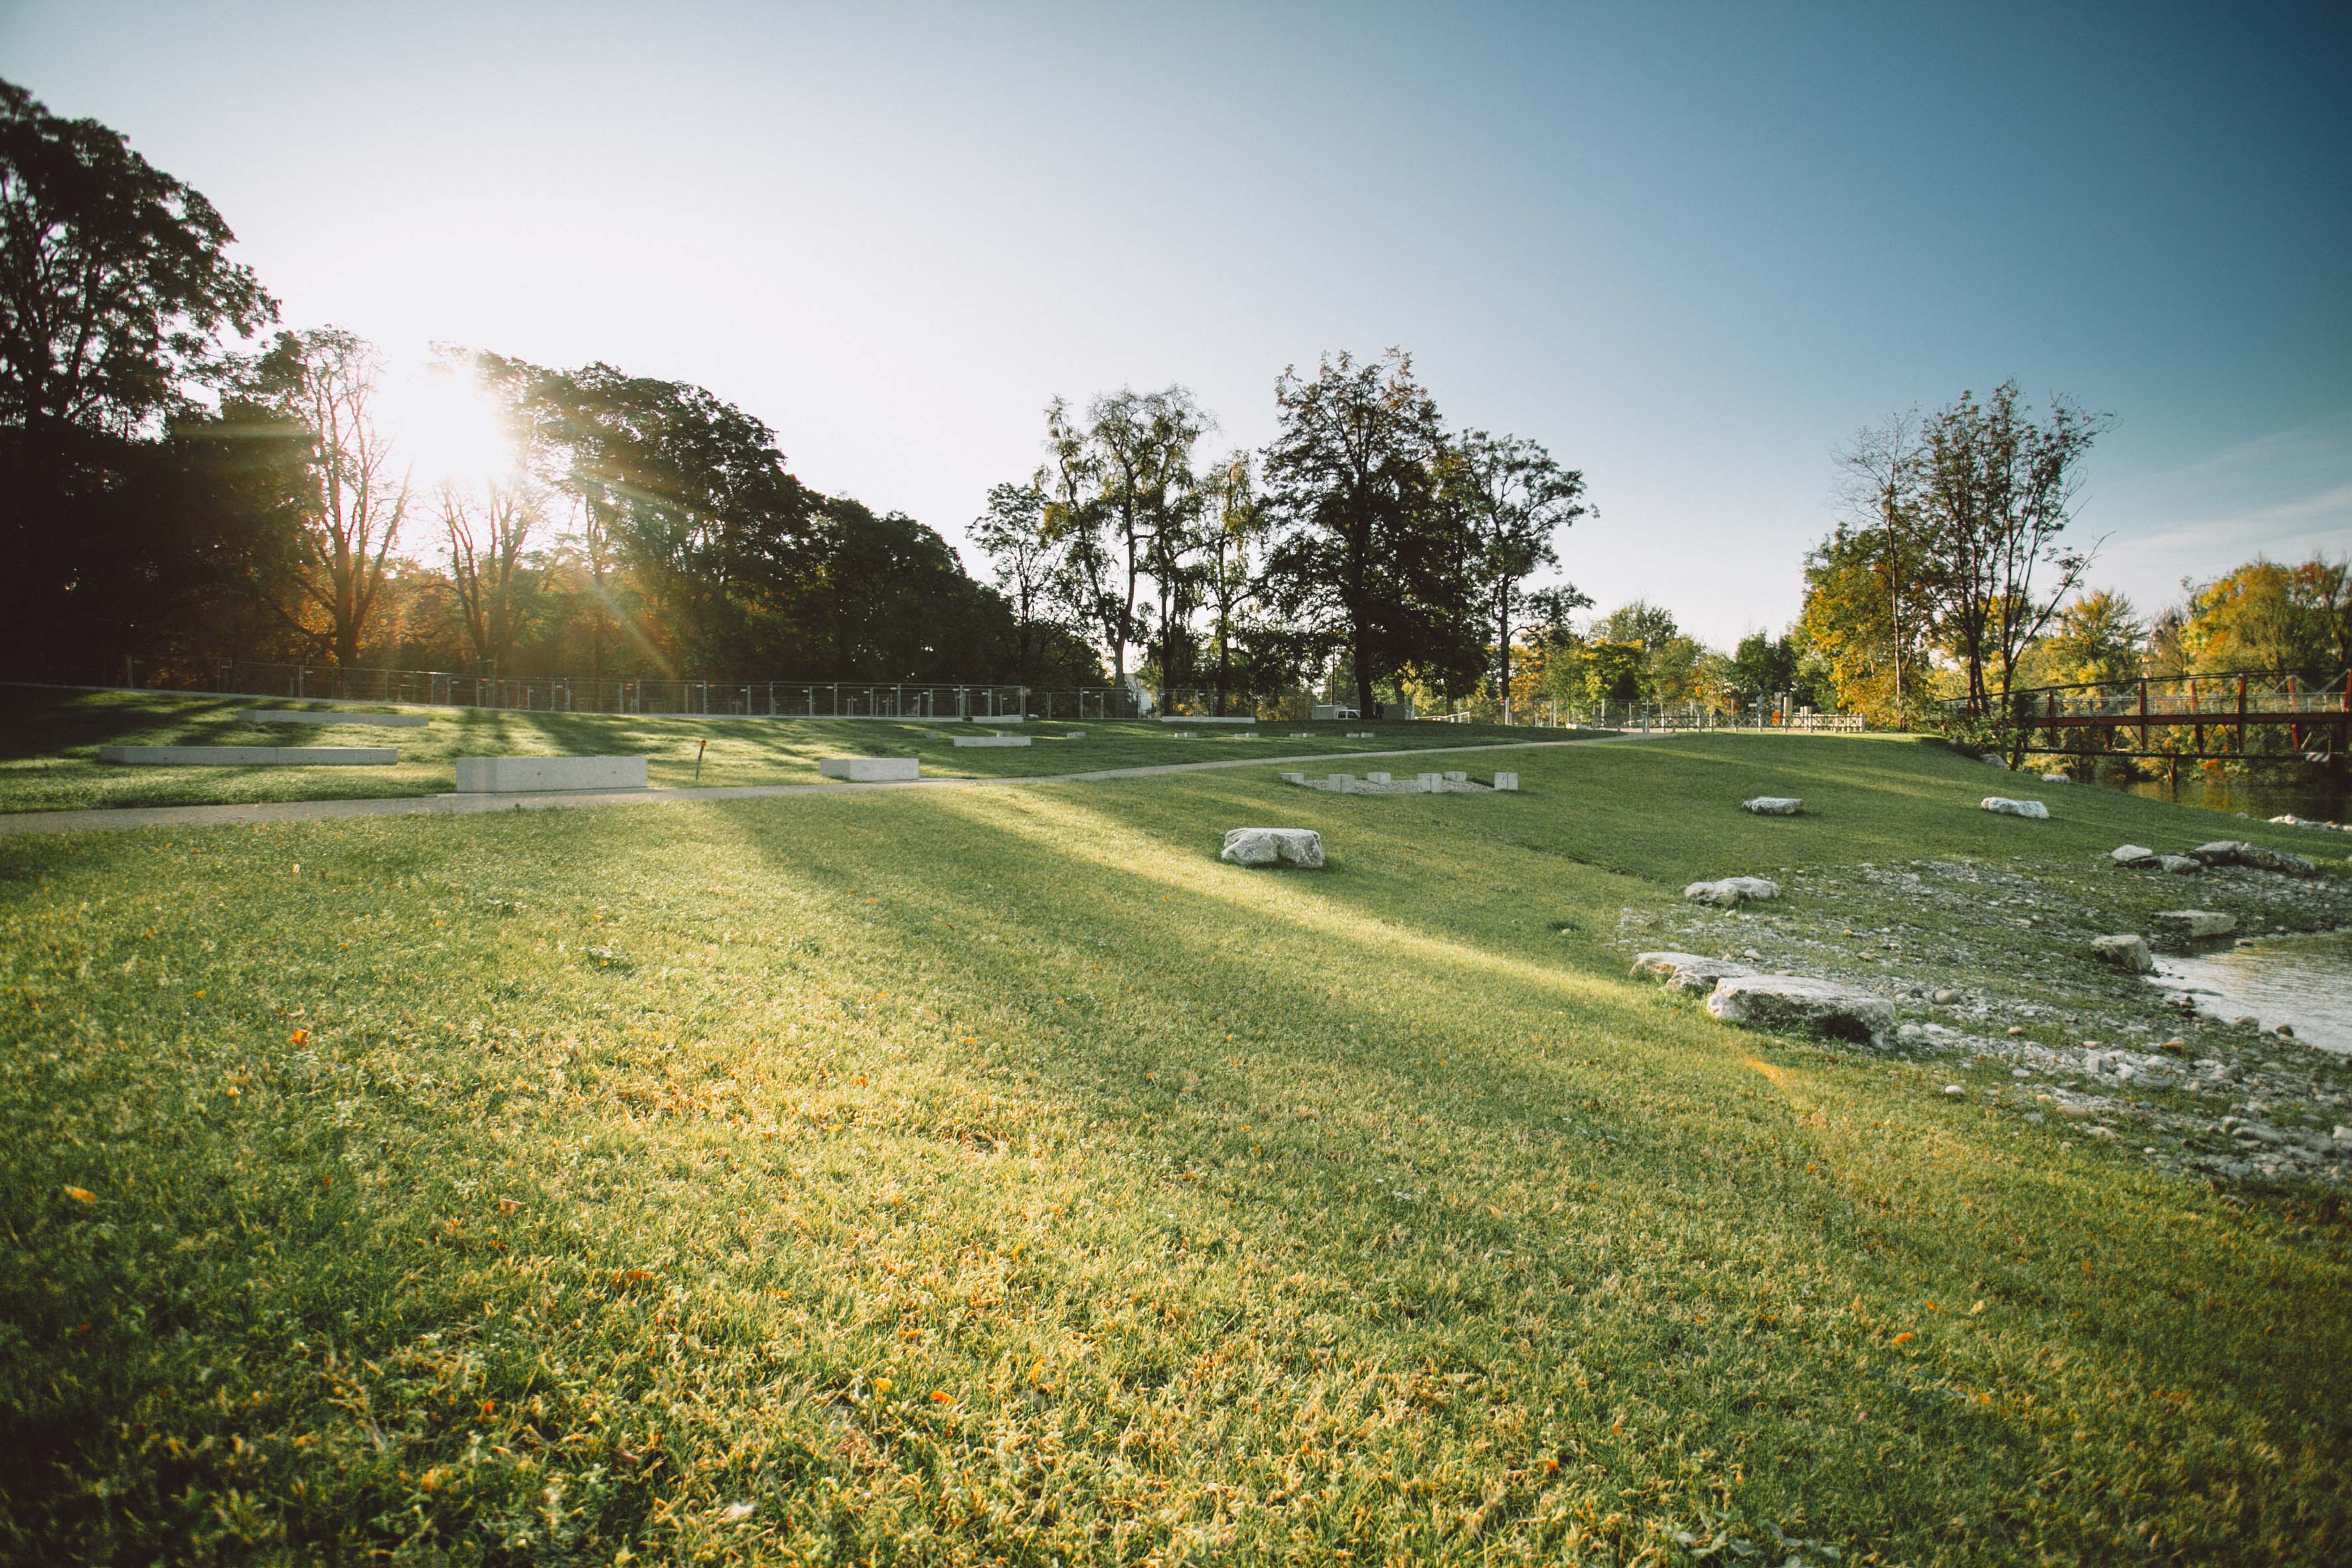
{"x":446,"y":430}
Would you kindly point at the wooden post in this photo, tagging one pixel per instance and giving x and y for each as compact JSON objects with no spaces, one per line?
{"x":2143,"y":712}
{"x":2242,"y":715}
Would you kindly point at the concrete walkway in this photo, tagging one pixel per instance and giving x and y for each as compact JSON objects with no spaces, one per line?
{"x":470,"y":805}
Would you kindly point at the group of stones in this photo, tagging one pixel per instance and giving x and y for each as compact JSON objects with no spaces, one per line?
{"x":1737,"y":994}
{"x":2129,"y":950}
{"x":2096,"y":1086}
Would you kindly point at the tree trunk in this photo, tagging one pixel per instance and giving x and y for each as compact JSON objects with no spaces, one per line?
{"x":1503,"y":637}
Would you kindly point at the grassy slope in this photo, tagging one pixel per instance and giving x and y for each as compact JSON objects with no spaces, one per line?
{"x":49,"y":740}
{"x":972,"y":1176}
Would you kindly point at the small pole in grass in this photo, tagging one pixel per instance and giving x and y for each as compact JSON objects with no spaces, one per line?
{"x":698,"y":746}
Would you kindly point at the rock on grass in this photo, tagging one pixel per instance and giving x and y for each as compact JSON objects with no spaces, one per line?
{"x":1799,"y":1001}
{"x":1730,"y":891}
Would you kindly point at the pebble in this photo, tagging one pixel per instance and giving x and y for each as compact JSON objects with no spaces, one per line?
{"x":1954,"y":1088}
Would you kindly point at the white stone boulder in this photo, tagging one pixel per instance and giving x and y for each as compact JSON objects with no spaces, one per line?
{"x":2181,"y":865}
{"x":2001,"y":806}
{"x":2193,"y":925}
{"x":2220,"y":852}
{"x":1774,"y":806}
{"x":2139,"y":856}
{"x":2056,"y":778}
{"x":1799,"y":1001}
{"x":549,"y":775}
{"x":2125,"y":953}
{"x":869,"y":770}
{"x":1730,"y":891}
{"x":1686,"y":971}
{"x":1273,"y":846}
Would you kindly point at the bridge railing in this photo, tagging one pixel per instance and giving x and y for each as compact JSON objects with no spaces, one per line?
{"x":2218,"y":697}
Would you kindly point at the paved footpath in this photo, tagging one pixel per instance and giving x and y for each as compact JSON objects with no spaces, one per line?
{"x":469,"y":804}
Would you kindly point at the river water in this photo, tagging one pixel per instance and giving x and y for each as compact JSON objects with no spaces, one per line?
{"x":2279,"y":792}
{"x":2304,"y":979}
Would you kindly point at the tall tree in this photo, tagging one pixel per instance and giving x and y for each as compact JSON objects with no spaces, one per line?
{"x":1370,"y":555}
{"x":1236,"y":523}
{"x":1517,"y":500}
{"x":2099,"y":636}
{"x":1085,"y":577}
{"x":115,"y":290}
{"x":115,"y":281}
{"x":1142,"y":446}
{"x":488,"y":527}
{"x":1997,"y":491}
{"x":1020,"y":560}
{"x":1846,"y":632}
{"x":1881,"y":476}
{"x":326,"y":380}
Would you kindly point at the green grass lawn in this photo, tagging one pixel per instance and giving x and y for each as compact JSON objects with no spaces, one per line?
{"x":997,"y":1176}
{"x":49,"y":738}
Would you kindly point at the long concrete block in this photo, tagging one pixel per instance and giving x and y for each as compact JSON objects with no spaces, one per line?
{"x":305,"y":716}
{"x":249,"y":756}
{"x":548,"y":776}
{"x":991,"y":740}
{"x":1201,"y":719}
{"x":870,"y":770}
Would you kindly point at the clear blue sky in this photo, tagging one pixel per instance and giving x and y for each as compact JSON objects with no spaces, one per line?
{"x":1689,"y":248}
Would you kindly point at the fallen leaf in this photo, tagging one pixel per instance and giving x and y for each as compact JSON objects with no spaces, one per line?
{"x":299,"y":1038}
{"x":1905,"y":1339}
{"x":82,"y":1194}
{"x":735,"y":1513}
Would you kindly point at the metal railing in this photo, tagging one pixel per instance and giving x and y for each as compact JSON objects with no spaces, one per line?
{"x":2212,"y":697}
{"x":582,"y":694}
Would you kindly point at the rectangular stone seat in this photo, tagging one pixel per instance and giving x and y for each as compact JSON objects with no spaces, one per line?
{"x":1507,"y":780}
{"x":249,"y":756}
{"x":548,"y":776}
{"x":991,"y":740}
{"x":870,"y":770}
{"x":304,"y":716}
{"x":1375,"y":778}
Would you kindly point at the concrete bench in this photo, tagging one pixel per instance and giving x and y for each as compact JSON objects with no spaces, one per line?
{"x":870,"y":770}
{"x":305,"y":716}
{"x":991,"y":740}
{"x":548,"y":776}
{"x":249,"y":756}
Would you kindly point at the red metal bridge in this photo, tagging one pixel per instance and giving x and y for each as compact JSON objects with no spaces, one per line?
{"x":2146,"y":717}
